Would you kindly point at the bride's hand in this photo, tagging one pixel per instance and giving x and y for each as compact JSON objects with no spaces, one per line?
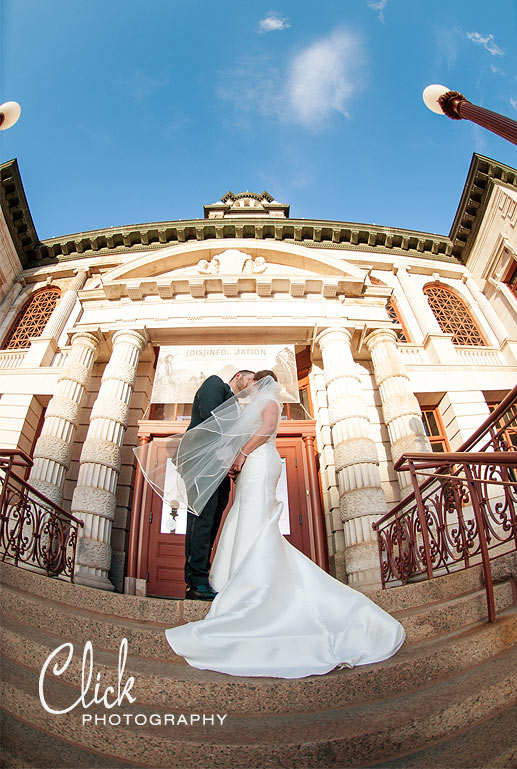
{"x":237,"y":465}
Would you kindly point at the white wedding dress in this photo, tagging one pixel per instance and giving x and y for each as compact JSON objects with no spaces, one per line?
{"x":276,"y":612}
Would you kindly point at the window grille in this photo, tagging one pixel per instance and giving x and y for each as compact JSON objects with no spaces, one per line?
{"x":32,"y":318}
{"x":453,"y":316}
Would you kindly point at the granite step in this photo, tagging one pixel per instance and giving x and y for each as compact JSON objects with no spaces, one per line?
{"x":158,"y":679}
{"x":146,"y":638}
{"x":448,"y":639}
{"x":491,"y":744}
{"x":342,"y":737}
{"x":176,"y":610}
{"x":25,"y":747}
{"x":426,"y":621}
{"x":100,"y":601}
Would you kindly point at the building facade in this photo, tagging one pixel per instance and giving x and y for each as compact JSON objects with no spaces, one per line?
{"x":403,"y":341}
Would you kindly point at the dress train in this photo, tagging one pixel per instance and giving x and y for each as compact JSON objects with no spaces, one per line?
{"x":276,"y":612}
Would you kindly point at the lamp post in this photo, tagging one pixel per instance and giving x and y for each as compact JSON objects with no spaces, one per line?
{"x":441,"y":100}
{"x":9,"y":114}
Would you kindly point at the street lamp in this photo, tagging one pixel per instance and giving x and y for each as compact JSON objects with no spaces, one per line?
{"x":441,"y":100}
{"x":9,"y":114}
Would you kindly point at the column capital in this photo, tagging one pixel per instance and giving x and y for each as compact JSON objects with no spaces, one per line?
{"x":138,"y":338}
{"x":379,"y":335}
{"x":85,"y":337}
{"x":331,"y":332}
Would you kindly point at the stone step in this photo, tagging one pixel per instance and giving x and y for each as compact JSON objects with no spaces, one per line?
{"x":489,"y":745}
{"x":174,"y":611}
{"x":440,"y":617}
{"x":344,"y":737}
{"x":83,"y":597}
{"x":146,"y":638}
{"x":157,"y":679}
{"x":25,"y":747}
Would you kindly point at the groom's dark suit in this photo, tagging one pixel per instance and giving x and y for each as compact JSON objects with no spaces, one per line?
{"x":202,"y":529}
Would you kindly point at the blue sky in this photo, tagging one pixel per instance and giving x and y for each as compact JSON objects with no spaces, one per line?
{"x":136,"y":112}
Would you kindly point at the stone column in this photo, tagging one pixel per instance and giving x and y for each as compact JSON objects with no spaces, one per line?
{"x":361,"y":498}
{"x":64,"y":307}
{"x":401,"y":410}
{"x":94,"y":497}
{"x":438,"y":345}
{"x":418,"y":303}
{"x":488,"y":311}
{"x":53,"y":448}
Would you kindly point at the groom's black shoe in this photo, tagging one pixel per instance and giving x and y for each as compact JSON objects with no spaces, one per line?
{"x":200,"y":593}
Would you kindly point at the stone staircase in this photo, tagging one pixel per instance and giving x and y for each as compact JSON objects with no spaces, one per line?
{"x":447,"y":699}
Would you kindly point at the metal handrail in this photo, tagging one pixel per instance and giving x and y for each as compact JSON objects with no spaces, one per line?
{"x":34,"y":530}
{"x":414,"y":537}
{"x":483,"y":429}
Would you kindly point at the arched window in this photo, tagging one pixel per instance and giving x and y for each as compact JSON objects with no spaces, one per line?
{"x":32,"y":318}
{"x":453,"y":315}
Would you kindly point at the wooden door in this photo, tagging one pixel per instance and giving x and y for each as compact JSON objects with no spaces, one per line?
{"x":166,"y":552}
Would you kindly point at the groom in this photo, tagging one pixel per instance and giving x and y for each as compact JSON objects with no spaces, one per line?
{"x":202,"y":529}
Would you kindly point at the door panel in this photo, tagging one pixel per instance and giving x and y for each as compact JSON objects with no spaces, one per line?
{"x":166,"y":555}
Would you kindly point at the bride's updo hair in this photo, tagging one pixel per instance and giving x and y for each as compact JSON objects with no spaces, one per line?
{"x":262,"y":374}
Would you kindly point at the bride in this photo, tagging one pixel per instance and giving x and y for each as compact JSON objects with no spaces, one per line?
{"x":276,"y":613}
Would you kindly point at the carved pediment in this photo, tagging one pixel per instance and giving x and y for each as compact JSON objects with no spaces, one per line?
{"x":248,"y":266}
{"x":234,"y":262}
{"x":245,"y":258}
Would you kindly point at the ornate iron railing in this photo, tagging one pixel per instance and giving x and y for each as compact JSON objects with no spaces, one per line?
{"x":34,"y":531}
{"x":463,"y":509}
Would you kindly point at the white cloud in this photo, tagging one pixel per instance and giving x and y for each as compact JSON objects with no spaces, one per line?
{"x":273,"y":22}
{"x":379,"y":6}
{"x":322,"y":78}
{"x":513,"y":102}
{"x":487,"y":41}
{"x":317,"y":82}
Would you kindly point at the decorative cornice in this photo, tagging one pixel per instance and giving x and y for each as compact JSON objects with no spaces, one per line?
{"x":17,"y":213}
{"x":311,"y":233}
{"x":321,"y":234}
{"x":484,"y":173}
